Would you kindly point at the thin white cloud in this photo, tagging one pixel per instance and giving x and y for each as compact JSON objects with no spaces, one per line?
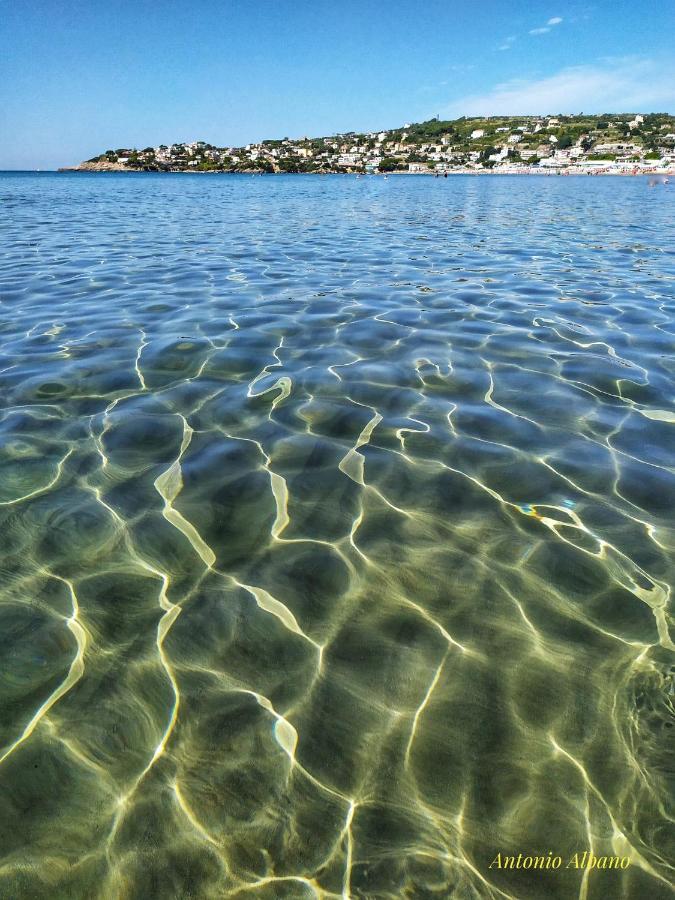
{"x":556,"y":20}
{"x":508,"y":43}
{"x":613,"y":85}
{"x":543,"y":29}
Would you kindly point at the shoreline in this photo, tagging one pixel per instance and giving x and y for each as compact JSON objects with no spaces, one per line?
{"x":571,"y":171}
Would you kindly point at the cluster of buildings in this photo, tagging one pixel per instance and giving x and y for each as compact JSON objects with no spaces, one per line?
{"x":504,"y":144}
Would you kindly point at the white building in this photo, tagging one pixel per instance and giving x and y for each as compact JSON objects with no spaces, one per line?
{"x":617,"y":148}
{"x":348,"y":159}
{"x":477,"y":133}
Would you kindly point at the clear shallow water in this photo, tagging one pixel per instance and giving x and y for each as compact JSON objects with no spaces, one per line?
{"x":337,"y":523}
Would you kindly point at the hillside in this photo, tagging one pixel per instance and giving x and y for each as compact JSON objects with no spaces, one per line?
{"x":583,"y":142}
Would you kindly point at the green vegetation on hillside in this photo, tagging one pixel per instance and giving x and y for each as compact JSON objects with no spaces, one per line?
{"x":436,"y":143}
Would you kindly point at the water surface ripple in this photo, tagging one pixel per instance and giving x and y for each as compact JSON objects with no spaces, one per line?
{"x":337,"y":523}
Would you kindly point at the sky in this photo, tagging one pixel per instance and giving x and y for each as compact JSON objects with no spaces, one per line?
{"x":78,"y":77}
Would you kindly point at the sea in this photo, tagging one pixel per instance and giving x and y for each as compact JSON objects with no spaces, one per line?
{"x":337,"y":520}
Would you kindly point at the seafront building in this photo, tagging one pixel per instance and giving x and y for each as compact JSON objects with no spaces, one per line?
{"x":567,"y":144}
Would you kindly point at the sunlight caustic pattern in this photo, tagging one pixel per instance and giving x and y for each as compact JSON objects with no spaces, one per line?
{"x":338,"y":536}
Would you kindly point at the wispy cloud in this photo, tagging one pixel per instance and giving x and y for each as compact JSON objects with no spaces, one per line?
{"x":621,"y":85}
{"x":552,"y":22}
{"x":508,"y":43}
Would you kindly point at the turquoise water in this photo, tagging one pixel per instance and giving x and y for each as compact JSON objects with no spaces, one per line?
{"x":337,"y":531}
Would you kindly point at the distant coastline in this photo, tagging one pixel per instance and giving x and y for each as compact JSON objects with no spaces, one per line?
{"x":616,"y":144}
{"x":490,"y":173}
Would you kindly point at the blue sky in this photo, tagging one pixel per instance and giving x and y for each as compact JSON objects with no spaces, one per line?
{"x":77,"y":77}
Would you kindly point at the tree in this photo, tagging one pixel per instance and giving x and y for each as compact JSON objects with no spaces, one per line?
{"x":486,"y":152}
{"x":388,"y":164}
{"x":288,"y":165}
